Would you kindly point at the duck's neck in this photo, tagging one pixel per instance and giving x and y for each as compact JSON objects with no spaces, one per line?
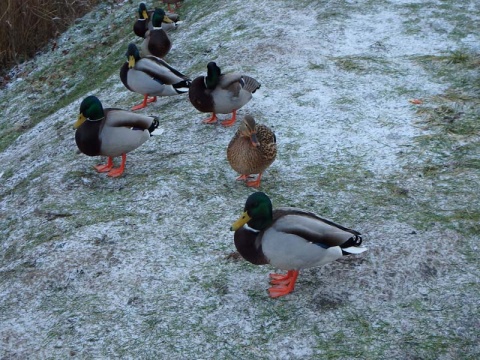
{"x":211,"y":80}
{"x":96,"y":119}
{"x":260,"y":223}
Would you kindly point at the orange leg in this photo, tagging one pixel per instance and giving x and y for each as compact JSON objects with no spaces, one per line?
{"x":255,"y":183}
{"x":106,"y":167}
{"x":146,"y":100}
{"x":118,"y":171}
{"x":211,"y":120}
{"x":282,"y":285}
{"x":276,"y":279}
{"x":231,"y":121}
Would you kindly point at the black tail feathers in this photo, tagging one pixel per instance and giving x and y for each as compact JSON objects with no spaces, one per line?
{"x":154,"y":125}
{"x":355,"y":240}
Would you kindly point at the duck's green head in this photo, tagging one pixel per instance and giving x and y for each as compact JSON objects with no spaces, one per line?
{"x":142,"y":11}
{"x":213,"y":75}
{"x":91,"y":109}
{"x":248,"y":129}
{"x":158,"y":17}
{"x":132,"y":54}
{"x":257,"y":212}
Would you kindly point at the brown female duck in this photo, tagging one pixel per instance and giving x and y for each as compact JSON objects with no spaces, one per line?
{"x":252,"y":149}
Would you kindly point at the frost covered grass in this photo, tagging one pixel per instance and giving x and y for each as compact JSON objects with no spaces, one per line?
{"x":139,"y":266}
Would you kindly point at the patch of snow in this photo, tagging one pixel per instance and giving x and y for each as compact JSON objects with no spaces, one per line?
{"x":135,"y":266}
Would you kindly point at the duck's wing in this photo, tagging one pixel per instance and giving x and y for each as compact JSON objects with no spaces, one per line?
{"x":314,"y":228}
{"x":160,"y":70}
{"x":122,"y":118}
{"x":231,"y":82}
{"x":235,"y":82}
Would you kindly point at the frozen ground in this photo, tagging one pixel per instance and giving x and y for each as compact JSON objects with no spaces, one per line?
{"x":137,"y":267}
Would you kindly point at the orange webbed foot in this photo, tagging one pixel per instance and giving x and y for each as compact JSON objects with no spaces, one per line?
{"x":115,"y":172}
{"x":242,"y":178}
{"x":231,"y":121}
{"x":105,"y":167}
{"x":146,"y":100}
{"x":228,"y":123}
{"x":280,"y":278}
{"x":277,"y":291}
{"x":211,"y":120}
{"x":255,"y":183}
{"x":118,"y":171}
{"x":282,"y":284}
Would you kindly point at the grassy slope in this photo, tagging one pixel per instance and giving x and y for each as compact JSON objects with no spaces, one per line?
{"x":137,"y":266}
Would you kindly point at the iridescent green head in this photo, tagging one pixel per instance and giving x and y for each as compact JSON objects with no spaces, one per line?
{"x":91,"y":109}
{"x":257,"y":212}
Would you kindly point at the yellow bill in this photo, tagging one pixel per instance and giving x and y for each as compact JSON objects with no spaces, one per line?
{"x":81,"y":119}
{"x":245,"y":218}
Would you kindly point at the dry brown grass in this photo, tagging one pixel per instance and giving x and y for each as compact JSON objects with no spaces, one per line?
{"x":26,"y":26}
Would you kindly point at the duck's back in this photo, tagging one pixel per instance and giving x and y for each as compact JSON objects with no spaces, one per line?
{"x":233,"y":92}
{"x":312,"y":227}
{"x":123,"y":132}
{"x":299,"y":239}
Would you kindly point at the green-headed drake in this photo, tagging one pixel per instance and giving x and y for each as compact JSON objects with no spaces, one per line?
{"x":151,"y":76}
{"x":110,"y":132}
{"x":140,"y":26}
{"x":252,"y":149}
{"x":144,"y":21}
{"x":289,"y":239}
{"x":221,"y":93}
{"x":157,"y":42}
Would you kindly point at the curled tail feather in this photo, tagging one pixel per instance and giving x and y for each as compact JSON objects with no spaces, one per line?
{"x":352,"y":245}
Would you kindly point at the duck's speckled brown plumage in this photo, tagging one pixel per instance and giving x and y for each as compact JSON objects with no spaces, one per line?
{"x":253,"y":148}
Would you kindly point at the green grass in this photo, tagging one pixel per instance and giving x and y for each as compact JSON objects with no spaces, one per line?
{"x":82,"y":60}
{"x":365,"y":65}
{"x":451,"y":147}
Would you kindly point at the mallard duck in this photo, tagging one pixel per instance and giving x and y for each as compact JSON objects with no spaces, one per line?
{"x":140,"y":26}
{"x":289,"y":239}
{"x":252,"y":149}
{"x":173,"y":23}
{"x":151,"y":76}
{"x":172,"y":2}
{"x":157,"y":42}
{"x":110,"y":132}
{"x":221,"y":93}
{"x":144,"y":21}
